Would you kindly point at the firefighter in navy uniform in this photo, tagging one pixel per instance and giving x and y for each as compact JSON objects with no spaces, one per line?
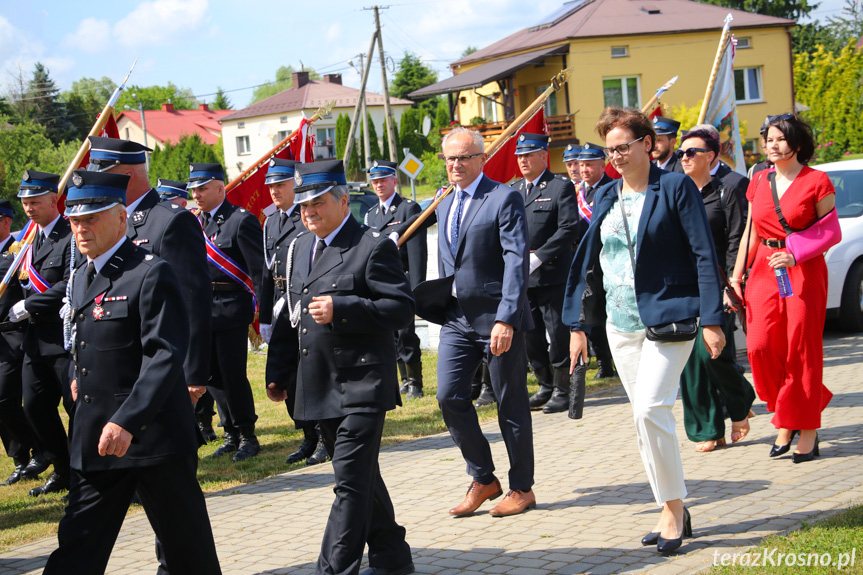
{"x":235,"y":244}
{"x":591,"y":165}
{"x":15,"y":432}
{"x":44,"y":372}
{"x":552,"y":221}
{"x":170,"y":232}
{"x":280,"y":229}
{"x":666,"y":144}
{"x":392,"y":211}
{"x":173,"y":191}
{"x":134,"y":431}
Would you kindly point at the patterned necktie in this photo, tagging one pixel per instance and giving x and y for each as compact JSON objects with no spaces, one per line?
{"x":319,"y":249}
{"x":91,"y":273}
{"x":456,"y":222}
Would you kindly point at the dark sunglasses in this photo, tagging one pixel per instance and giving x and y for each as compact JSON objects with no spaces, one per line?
{"x":773,"y":119}
{"x":690,"y":152}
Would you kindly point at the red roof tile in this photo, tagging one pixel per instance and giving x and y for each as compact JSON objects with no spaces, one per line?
{"x":308,"y":97}
{"x":168,"y":127}
{"x":601,"y":18}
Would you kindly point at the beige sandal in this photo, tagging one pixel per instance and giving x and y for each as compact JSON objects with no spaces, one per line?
{"x":706,"y":446}
{"x":739,"y":430}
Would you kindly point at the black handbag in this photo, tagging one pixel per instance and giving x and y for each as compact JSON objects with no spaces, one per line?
{"x":684,"y":330}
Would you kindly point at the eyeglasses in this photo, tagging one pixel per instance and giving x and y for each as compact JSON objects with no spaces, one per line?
{"x":461,"y":159}
{"x":690,"y":152}
{"x":622,"y":149}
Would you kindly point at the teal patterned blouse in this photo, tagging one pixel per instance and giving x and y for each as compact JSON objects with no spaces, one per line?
{"x":618,"y":280}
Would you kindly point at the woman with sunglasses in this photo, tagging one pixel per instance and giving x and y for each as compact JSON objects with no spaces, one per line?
{"x":784,"y":335}
{"x":670,"y":275}
{"x":704,"y":379}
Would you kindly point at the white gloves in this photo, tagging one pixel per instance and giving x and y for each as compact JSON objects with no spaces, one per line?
{"x":18,"y":312}
{"x":395,"y":238}
{"x":535,"y":262}
{"x":266,"y":331}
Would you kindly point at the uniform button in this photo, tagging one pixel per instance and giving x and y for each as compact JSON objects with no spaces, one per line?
{"x":305,"y":310}
{"x":83,"y":344}
{"x":305,"y":291}
{"x":305,"y":352}
{"x":143,"y":428}
{"x":334,"y":285}
{"x":86,"y":399}
{"x":344,"y":320}
{"x":108,"y":313}
{"x":362,"y":360}
{"x":84,"y":371}
{"x":80,"y":317}
{"x":305,"y":331}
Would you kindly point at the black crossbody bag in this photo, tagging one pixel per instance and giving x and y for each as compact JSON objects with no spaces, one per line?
{"x":684,"y":330}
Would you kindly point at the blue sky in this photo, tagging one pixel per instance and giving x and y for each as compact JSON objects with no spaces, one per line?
{"x":204,"y":44}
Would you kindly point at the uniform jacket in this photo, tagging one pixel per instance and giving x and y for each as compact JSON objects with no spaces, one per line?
{"x":414,"y":253}
{"x":673,"y":164}
{"x":491,"y":264}
{"x":44,"y":336}
{"x":129,"y":362}
{"x":10,"y":341}
{"x":676,"y":275}
{"x":283,"y":342}
{"x":552,"y":224}
{"x":732,"y":180}
{"x":349,"y":365}
{"x":588,"y":197}
{"x":238,"y":234}
{"x":726,"y":212}
{"x":172,"y":233}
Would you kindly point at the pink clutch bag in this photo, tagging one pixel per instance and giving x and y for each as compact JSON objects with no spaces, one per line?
{"x":816,"y":239}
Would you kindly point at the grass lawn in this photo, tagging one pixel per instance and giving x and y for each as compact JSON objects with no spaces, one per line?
{"x":24,"y":519}
{"x":840,"y":536}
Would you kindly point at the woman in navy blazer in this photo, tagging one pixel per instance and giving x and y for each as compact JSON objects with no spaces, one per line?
{"x":676,"y":277}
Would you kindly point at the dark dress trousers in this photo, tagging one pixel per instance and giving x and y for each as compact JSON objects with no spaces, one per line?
{"x":15,"y":432}
{"x":130,"y":346}
{"x":552,"y":224}
{"x":347,"y":380}
{"x":414,"y":256}
{"x":172,"y":233}
{"x":238,"y":234}
{"x":283,"y":342}
{"x":46,"y":362}
{"x":490,"y":271}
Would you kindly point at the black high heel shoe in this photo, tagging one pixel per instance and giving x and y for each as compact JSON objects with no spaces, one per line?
{"x":650,"y":539}
{"x":668,"y":545}
{"x":778,"y":450}
{"x":801,"y":457}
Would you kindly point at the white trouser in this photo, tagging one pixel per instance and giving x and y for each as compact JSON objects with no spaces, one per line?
{"x":650,"y":373}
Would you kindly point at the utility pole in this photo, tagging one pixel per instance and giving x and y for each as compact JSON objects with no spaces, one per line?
{"x":366,"y":146}
{"x":360,"y":99}
{"x":143,"y":126}
{"x":391,"y":134}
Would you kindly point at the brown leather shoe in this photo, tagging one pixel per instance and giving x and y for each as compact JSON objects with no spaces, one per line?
{"x":514,"y":503}
{"x":476,"y":494}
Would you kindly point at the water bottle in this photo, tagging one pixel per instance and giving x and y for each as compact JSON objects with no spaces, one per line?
{"x":783,"y":281}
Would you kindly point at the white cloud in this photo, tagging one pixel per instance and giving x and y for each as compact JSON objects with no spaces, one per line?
{"x":92,"y":36}
{"x":161,"y":22}
{"x":18,"y":52}
{"x":334,"y":32}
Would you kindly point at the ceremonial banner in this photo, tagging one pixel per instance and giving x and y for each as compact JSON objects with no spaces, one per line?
{"x":720,"y":107}
{"x":109,"y":131}
{"x":252,"y":193}
{"x":503,"y":166}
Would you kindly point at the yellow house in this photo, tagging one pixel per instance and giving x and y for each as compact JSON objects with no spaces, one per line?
{"x":622,"y":52}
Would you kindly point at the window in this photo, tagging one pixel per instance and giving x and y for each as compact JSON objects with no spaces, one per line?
{"x":127,"y":134}
{"x":747,"y":85}
{"x":619,"y":51}
{"x":489,"y":110}
{"x":281,"y":135}
{"x":621,"y":91}
{"x":283,"y":120}
{"x":241,"y":125}
{"x":243,"y":148}
{"x":744,"y":43}
{"x":325,"y":147}
{"x":550,"y":105}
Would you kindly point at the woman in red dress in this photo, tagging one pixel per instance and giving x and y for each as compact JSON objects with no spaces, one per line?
{"x":784,"y":339}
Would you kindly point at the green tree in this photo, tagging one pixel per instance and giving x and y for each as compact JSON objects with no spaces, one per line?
{"x":154,"y":96}
{"x":221,"y":102}
{"x":806,"y":38}
{"x":85,"y":101}
{"x":343,"y":126}
{"x":20,"y":146}
{"x":385,"y":152}
{"x":284,"y":81}
{"x":468,"y":51}
{"x":374,"y":143}
{"x":46,"y":107}
{"x":849,"y":24}
{"x":412,"y":75}
{"x":172,"y":161}
{"x":830,"y":86}
{"x":410,"y":135}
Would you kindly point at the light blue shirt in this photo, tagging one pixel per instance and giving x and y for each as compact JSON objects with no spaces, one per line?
{"x":614,"y":259}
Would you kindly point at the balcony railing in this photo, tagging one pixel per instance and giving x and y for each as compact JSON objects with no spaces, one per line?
{"x":560,"y":128}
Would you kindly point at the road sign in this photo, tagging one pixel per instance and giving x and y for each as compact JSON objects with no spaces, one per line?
{"x":411,"y":166}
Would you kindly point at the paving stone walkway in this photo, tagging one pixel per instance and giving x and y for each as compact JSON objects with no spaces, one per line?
{"x":594,"y":503}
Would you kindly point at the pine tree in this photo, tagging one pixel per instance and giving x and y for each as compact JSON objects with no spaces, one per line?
{"x":47,"y":109}
{"x":374,"y":143}
{"x":221,"y":102}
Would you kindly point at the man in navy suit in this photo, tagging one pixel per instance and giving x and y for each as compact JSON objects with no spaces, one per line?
{"x":666,"y":143}
{"x":481,"y":302}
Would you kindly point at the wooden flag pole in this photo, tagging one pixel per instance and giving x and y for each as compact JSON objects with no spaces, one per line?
{"x":726,"y":30}
{"x":557,"y":82}
{"x":319,"y":113}
{"x":662,"y":89}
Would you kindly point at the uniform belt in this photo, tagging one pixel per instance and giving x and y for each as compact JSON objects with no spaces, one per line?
{"x":281,"y":284}
{"x":8,"y":326}
{"x":227,"y":286}
{"x":773,"y":243}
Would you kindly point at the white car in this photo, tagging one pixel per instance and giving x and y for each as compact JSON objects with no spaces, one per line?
{"x":845,"y":260}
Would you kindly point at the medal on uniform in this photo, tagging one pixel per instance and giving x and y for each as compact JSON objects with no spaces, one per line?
{"x":98,"y":311}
